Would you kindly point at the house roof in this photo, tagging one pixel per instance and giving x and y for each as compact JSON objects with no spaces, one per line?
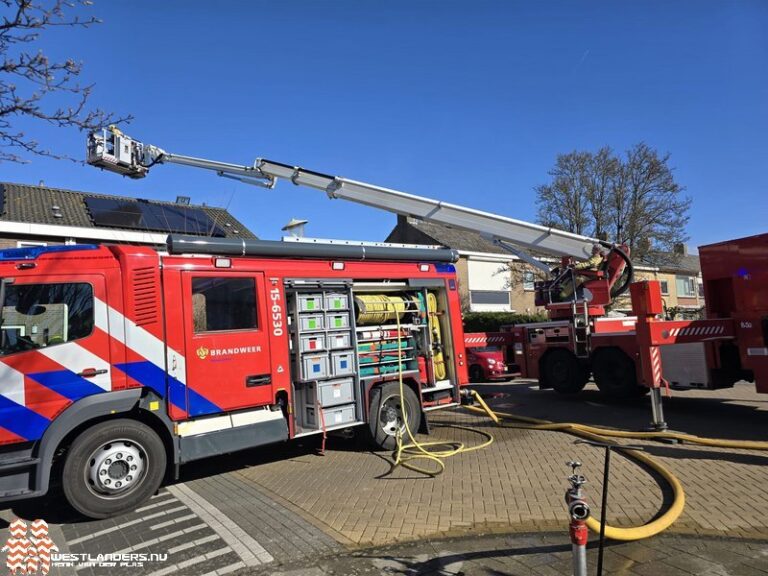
{"x":689,"y":263}
{"x":34,"y":204}
{"x":469,"y":241}
{"x":455,"y":238}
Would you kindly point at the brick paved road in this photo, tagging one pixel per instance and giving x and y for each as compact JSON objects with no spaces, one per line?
{"x":517,"y":484}
{"x":539,"y":555}
{"x":205,"y":527}
{"x":287,"y":505}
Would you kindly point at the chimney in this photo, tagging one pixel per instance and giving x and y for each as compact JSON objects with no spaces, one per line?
{"x":295,"y":227}
{"x":681,"y":249}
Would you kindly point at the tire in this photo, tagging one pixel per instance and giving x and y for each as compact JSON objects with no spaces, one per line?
{"x":562,"y":372}
{"x":476,"y":373}
{"x":386,"y":415}
{"x":108,"y":453}
{"x":615,"y":373}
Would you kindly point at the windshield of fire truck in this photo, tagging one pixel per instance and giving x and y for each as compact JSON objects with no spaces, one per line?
{"x":36,"y":316}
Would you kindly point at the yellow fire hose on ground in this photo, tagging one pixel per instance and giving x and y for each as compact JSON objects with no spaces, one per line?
{"x":406,"y":453}
{"x":603,"y":435}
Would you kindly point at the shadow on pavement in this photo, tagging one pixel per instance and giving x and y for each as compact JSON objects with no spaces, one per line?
{"x":437,"y":565}
{"x":709,"y":414}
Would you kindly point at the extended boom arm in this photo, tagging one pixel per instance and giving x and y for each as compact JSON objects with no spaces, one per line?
{"x":112,"y":150}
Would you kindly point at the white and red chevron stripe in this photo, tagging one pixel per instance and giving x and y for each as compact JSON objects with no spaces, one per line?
{"x":113,"y":334}
{"x":140,"y":341}
{"x":655,"y":365}
{"x":697,"y":331}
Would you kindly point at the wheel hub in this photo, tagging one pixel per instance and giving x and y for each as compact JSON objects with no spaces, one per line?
{"x":116,"y":467}
{"x":391,"y":417}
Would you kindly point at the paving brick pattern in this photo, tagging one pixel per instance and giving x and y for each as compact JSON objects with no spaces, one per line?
{"x":541,"y":555}
{"x":287,"y":508}
{"x":165,"y":525}
{"x":517,"y":484}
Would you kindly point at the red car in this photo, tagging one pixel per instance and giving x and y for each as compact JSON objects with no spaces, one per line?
{"x":486,"y":363}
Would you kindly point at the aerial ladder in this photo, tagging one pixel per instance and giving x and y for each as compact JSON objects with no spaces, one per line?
{"x":114,"y":151}
{"x":591,"y":290}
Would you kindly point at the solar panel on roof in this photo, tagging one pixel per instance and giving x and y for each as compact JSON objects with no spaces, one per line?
{"x":115,"y":213}
{"x":118,"y":213}
{"x":180,"y":219}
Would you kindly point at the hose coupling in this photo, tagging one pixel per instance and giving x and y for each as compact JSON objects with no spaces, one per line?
{"x":579,"y":510}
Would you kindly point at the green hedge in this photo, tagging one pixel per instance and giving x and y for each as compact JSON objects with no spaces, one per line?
{"x":491,"y":321}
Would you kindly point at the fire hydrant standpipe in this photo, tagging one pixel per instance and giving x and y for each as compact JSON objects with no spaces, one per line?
{"x":598,"y":434}
{"x":578,"y":509}
{"x":604,"y":503}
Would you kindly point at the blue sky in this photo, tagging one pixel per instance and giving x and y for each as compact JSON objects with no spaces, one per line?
{"x":468,"y":102}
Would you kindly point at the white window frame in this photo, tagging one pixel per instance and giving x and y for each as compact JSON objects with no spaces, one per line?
{"x":692,"y":288}
{"x":508,"y":301}
{"x":30,"y":243}
{"x":663,"y":283}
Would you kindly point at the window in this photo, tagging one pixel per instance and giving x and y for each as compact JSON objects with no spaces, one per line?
{"x":29,"y":244}
{"x":486,"y":349}
{"x":686,"y":286}
{"x":489,"y":297}
{"x":528,"y":280}
{"x":223,"y":304}
{"x":40,"y":315}
{"x":664,"y":284}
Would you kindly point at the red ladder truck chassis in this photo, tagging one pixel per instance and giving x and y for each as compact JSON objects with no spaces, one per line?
{"x":631,"y":355}
{"x":119,"y":363}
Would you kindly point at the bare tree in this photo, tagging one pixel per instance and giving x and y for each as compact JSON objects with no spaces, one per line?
{"x":36,"y":87}
{"x":653,"y":212}
{"x":634,"y":200}
{"x":563,"y":202}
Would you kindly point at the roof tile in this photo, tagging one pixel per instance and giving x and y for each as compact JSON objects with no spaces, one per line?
{"x":35,"y":204}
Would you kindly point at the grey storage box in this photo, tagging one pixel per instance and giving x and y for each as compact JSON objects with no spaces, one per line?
{"x":311,"y":322}
{"x":312,"y":342}
{"x":334,"y":416}
{"x":334,"y":301}
{"x":310,"y":302}
{"x":315,"y":366}
{"x":342,"y":363}
{"x":338,"y":340}
{"x":330,"y":392}
{"x":338,"y":321}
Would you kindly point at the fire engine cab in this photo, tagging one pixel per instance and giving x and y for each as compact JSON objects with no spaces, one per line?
{"x":120,"y":363}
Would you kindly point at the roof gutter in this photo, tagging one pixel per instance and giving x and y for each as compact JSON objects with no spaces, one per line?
{"x":81,"y":232}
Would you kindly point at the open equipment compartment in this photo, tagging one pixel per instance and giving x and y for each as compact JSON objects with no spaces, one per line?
{"x":323,"y":364}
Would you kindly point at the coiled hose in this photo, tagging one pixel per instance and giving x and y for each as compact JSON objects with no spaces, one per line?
{"x":603,"y":435}
{"x":435,"y":452}
{"x":405,"y":454}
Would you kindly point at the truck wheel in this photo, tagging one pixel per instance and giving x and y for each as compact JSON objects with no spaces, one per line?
{"x":387,"y":415}
{"x":562,"y":372}
{"x":113,"y":467}
{"x":475,"y":373}
{"x":615,"y":374}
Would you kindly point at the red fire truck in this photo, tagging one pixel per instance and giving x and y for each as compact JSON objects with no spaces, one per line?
{"x":629,"y":356}
{"x":119,"y":362}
